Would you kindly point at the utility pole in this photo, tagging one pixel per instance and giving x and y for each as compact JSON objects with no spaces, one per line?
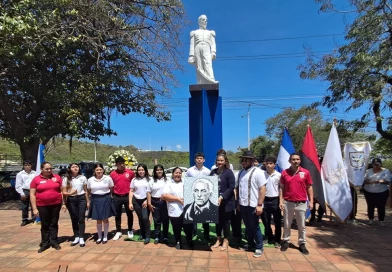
{"x":248,"y":115}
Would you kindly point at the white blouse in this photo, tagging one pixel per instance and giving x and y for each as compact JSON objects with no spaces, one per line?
{"x":140,"y":188}
{"x":377,"y":188}
{"x":76,"y":183}
{"x":156,"y":187}
{"x":173,"y":188}
{"x":100,"y":186}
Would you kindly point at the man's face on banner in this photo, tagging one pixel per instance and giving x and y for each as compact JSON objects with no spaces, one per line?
{"x":201,"y":193}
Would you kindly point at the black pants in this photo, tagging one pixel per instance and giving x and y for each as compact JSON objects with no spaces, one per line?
{"x":354,"y":197}
{"x":161,"y":217}
{"x":178,"y":225}
{"x":119,"y":202}
{"x":26,"y":206}
{"x":376,"y":200}
{"x":236,"y":221}
{"x":271,"y":208}
{"x":224,"y":222}
{"x":320,"y":212}
{"x":143,"y":214}
{"x":49,"y":224}
{"x":77,"y":206}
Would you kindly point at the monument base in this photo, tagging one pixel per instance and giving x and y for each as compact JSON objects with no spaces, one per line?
{"x":205,"y":122}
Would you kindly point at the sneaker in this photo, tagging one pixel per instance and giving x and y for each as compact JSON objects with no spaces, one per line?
{"x":156,"y":241}
{"x":147,"y":241}
{"x":382,"y":224}
{"x":258,"y":253}
{"x":246,"y":247}
{"x":370,"y":222}
{"x":284,"y":246}
{"x":277,"y":245}
{"x":165,"y":241}
{"x":265,"y":242}
{"x":130,"y":234}
{"x":178,"y":245}
{"x":117,"y":236}
{"x":303,"y":249}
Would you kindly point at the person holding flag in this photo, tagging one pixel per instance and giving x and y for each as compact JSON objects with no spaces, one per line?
{"x":296,"y":186}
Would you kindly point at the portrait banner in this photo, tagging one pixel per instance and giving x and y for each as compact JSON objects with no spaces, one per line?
{"x":201,"y":199}
{"x":356,"y":158}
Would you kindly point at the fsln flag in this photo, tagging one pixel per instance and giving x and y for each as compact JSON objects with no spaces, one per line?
{"x":356,"y":158}
{"x":310,"y":161}
{"x":334,"y":177}
{"x":40,"y":159}
{"x":286,"y":148}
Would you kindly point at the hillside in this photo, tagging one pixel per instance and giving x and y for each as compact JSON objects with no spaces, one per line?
{"x":84,"y":151}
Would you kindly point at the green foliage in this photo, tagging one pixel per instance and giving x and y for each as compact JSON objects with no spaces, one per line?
{"x":360,"y":70}
{"x":262,"y":146}
{"x":66,"y":66}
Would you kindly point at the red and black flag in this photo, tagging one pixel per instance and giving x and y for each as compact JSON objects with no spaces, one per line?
{"x":310,"y":161}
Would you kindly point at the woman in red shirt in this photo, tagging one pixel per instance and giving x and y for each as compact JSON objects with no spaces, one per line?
{"x":46,"y":201}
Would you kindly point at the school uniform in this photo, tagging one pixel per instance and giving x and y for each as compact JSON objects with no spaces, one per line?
{"x":160,"y":213}
{"x":101,"y":206}
{"x":141,"y":187}
{"x":22,"y":186}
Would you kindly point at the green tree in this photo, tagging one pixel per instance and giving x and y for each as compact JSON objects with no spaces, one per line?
{"x":263,"y":146}
{"x":67,"y":65}
{"x":360,"y":70}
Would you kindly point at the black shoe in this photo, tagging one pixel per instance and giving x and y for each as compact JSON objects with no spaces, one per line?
{"x":156,"y":241}
{"x":82,"y":245}
{"x":74,"y":243}
{"x":303,"y":249}
{"x":42,"y":249}
{"x":265,"y":242}
{"x":98,"y":241}
{"x":178,"y":245}
{"x":285,"y":246}
{"x":104,"y":241}
{"x":147,"y":241}
{"x":165,"y":241}
{"x":247,"y":247}
{"x":24,"y":223}
{"x":56,"y":247}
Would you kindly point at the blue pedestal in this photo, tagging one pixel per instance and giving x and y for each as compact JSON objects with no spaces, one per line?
{"x":205,"y":122}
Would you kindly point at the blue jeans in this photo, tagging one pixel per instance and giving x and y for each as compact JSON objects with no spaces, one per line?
{"x":251,"y":221}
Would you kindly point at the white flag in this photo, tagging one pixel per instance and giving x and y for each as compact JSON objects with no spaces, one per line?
{"x":356,"y":157}
{"x":334,"y":177}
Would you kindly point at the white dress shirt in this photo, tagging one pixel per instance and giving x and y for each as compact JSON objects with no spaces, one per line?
{"x":100,"y":186}
{"x":23,"y":180}
{"x":140,"y":188}
{"x":258,"y":180}
{"x":76,"y":183}
{"x":272,"y":186}
{"x":196,"y":172}
{"x":156,"y":187}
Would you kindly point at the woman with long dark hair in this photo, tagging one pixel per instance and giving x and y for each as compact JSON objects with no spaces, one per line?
{"x":226,"y":185}
{"x":138,"y":201}
{"x":75,"y":195}
{"x":46,"y":199}
{"x":102,"y":208}
{"x":158,"y":206}
{"x":173,"y":194}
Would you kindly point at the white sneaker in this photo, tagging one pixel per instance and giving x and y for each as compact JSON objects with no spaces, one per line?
{"x":370,"y":222}
{"x":130,"y":234}
{"x":117,"y":236}
{"x":382,"y":224}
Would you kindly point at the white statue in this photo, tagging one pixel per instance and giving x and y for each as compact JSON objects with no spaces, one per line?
{"x":202,"y":52}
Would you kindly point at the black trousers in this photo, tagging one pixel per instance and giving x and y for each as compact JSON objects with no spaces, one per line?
{"x":178,"y":225}
{"x":376,"y":200}
{"x":26,"y":206}
{"x":161,"y":217}
{"x":354,"y":197}
{"x":320,"y":212}
{"x":77,"y":206}
{"x":236,"y":221}
{"x":119,"y":202}
{"x":224,"y":222}
{"x":143,"y":214}
{"x":49,"y":224}
{"x":271,"y":209}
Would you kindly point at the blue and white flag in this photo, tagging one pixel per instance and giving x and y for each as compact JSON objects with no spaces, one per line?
{"x":286,"y":148}
{"x":40,"y":159}
{"x":334,"y":177}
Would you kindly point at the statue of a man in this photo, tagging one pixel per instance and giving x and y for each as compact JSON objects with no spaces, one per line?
{"x":202,"y":52}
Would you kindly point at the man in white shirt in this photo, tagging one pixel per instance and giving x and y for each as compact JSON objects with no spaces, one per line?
{"x":271,"y":203}
{"x":196,"y":171}
{"x":22,"y":186}
{"x":251,"y":193}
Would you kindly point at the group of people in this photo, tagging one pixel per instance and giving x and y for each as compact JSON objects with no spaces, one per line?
{"x":247,"y":197}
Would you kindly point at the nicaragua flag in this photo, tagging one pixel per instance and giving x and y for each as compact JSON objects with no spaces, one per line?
{"x":40,"y":159}
{"x":310,"y":161}
{"x":286,"y":148}
{"x":334,"y":177}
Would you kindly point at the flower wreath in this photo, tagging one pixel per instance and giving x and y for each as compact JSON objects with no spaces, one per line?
{"x":130,"y":160}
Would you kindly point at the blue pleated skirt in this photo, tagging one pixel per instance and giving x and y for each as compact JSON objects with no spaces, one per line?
{"x":101,"y":207}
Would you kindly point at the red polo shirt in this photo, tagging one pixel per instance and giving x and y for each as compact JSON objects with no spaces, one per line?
{"x":122,"y":181}
{"x":48,"y":190}
{"x":295,"y":184}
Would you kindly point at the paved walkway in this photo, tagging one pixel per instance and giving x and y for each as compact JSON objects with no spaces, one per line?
{"x":332,"y":248}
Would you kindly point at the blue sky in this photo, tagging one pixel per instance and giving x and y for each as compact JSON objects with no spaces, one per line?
{"x":271,"y":80}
